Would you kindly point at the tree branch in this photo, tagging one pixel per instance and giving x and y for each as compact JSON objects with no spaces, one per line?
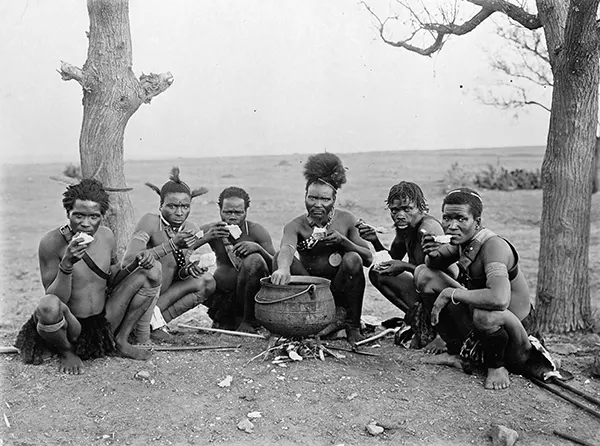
{"x":440,"y":31}
{"x":154,"y":84}
{"x":516,"y":13}
{"x":69,"y":72}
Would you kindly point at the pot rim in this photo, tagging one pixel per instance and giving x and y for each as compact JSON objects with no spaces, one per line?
{"x":297,"y":281}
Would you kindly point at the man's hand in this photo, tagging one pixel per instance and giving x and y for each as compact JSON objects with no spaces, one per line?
{"x":430,"y":246}
{"x":195,"y":270}
{"x":366,"y":232}
{"x":184,"y":239}
{"x":392,"y":267}
{"x":145,"y":259}
{"x":281,"y":276}
{"x":442,"y":300}
{"x":217,"y":231}
{"x":74,"y":253}
{"x":245,"y":248}
{"x":333,"y":238}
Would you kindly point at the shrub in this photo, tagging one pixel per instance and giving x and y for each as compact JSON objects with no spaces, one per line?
{"x":457,"y":176}
{"x":501,"y":178}
{"x":72,"y":171}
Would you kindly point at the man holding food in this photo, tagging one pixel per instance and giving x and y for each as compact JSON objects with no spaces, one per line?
{"x":485,"y":313}
{"x":86,"y":313}
{"x":168,"y":237}
{"x":393,"y":276}
{"x":244,"y":254}
{"x":327,"y":244}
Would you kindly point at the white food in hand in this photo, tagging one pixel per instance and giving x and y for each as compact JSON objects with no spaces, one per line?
{"x":380,"y":257}
{"x":83,"y":238}
{"x":443,"y":238}
{"x":234,"y":230}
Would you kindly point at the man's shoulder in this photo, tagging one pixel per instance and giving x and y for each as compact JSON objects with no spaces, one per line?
{"x":256,"y":229}
{"x":53,"y":238}
{"x":149,"y":222}
{"x":345,"y":217}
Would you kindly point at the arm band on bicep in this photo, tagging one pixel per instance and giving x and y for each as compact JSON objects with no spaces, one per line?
{"x":142,"y":236}
{"x":496,"y":269}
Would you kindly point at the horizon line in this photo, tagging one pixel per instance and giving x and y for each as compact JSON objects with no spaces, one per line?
{"x":161,"y":158}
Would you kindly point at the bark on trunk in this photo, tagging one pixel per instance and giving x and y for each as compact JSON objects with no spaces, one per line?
{"x":563,"y":291}
{"x":111,"y":95}
{"x":596,"y":182}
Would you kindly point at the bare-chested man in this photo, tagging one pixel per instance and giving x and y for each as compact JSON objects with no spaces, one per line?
{"x":327,"y":241}
{"x":244,"y":252}
{"x":78,"y":317}
{"x":489,"y":295}
{"x":394,"y":278}
{"x":168,"y":237}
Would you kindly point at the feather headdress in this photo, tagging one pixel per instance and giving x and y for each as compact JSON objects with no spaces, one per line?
{"x":326,"y":168}
{"x":174,"y":185}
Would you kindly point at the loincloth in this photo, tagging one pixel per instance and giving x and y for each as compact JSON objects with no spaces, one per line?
{"x":472,"y":354}
{"x":419,"y":318}
{"x":224,"y":309}
{"x":95,"y":340}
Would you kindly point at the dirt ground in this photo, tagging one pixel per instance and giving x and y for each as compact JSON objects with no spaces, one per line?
{"x":175,"y":398}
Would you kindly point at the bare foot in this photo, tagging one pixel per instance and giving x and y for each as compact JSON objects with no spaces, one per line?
{"x":443,"y":359}
{"x":129,"y":351}
{"x":436,"y":346}
{"x":497,"y":379}
{"x":70,"y":363}
{"x":246,"y":327}
{"x":354,"y":335}
{"x":161,"y":335}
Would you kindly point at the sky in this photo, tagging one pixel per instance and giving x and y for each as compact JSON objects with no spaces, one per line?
{"x":253,"y":77}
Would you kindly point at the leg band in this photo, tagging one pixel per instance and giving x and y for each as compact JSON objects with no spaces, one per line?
{"x":51,"y":328}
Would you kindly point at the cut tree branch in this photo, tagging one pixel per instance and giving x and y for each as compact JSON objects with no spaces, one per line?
{"x":154,"y":84}
{"x":70,"y":72}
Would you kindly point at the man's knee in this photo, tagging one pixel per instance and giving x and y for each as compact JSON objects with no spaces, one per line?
{"x":154,"y":274}
{"x":352,"y":262}
{"x":205,"y":284}
{"x":484,"y":320}
{"x":254,"y":264}
{"x":50,"y":309}
{"x":423,"y":277}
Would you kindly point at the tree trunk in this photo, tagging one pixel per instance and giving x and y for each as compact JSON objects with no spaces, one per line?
{"x":111,"y":95}
{"x":596,"y":182}
{"x":563,"y":292}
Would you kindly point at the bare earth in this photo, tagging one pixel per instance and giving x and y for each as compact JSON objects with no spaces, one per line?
{"x":177,"y":400}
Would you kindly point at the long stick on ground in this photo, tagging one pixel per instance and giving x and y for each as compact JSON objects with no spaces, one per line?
{"x":573,"y":439}
{"x":219,"y":330}
{"x":9,"y":350}
{"x":576,"y":391}
{"x":179,"y":348}
{"x":566,"y":397}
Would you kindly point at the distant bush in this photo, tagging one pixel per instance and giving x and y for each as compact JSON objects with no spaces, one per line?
{"x":72,"y":171}
{"x":501,"y":178}
{"x":457,"y":176}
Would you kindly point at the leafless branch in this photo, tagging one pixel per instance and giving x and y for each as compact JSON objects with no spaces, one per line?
{"x":439,"y":31}
{"x":154,"y":84}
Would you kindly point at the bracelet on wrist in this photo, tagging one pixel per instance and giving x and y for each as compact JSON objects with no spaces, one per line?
{"x":183,"y":273}
{"x":65,"y":270}
{"x":452,"y":296}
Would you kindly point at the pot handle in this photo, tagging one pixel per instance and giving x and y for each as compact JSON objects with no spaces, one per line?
{"x":310,"y":290}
